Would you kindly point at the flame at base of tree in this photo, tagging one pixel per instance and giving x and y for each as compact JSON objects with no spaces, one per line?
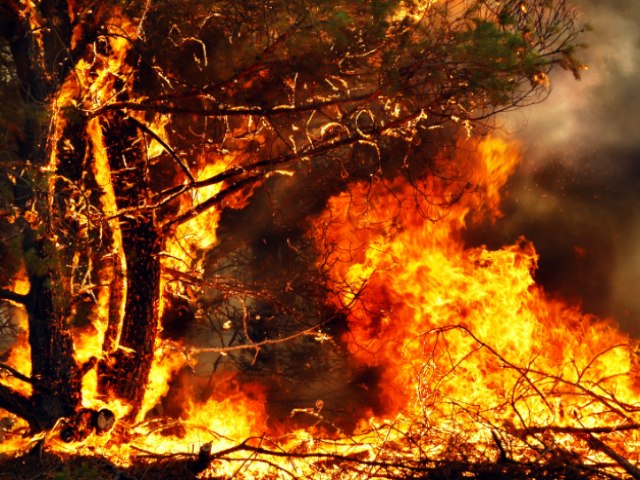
{"x":480,"y":370}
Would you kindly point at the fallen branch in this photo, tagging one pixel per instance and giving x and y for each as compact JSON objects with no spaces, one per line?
{"x":615,"y":456}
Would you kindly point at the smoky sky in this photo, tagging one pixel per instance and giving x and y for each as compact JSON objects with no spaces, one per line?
{"x":577,"y":192}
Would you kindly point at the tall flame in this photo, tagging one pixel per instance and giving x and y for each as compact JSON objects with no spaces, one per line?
{"x":465,"y":338}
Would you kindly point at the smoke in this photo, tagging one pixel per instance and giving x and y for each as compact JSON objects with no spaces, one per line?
{"x":601,"y":111}
{"x":576,"y":193}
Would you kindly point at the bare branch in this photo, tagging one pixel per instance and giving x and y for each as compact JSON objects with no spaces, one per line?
{"x":615,"y":456}
{"x":257,"y":345}
{"x":13,"y":296}
{"x":164,"y":145}
{"x":16,"y":373}
{"x":230,"y":111}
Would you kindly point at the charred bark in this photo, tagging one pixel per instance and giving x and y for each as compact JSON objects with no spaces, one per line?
{"x":56,"y":387}
{"x":126,"y":372}
{"x":134,"y":356}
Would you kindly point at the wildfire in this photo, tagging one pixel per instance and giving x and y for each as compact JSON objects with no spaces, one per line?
{"x":473,"y":359}
{"x":465,"y":338}
{"x":468,"y":345}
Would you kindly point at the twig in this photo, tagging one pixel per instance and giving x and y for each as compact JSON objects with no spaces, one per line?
{"x":615,"y":456}
{"x":164,"y":145}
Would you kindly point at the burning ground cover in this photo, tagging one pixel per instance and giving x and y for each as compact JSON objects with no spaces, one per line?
{"x":235,"y":248}
{"x":479,"y":372}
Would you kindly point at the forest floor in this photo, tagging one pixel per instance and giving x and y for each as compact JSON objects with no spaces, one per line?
{"x":48,"y":466}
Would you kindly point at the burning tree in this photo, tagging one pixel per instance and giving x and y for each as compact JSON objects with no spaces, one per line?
{"x":133,"y":127}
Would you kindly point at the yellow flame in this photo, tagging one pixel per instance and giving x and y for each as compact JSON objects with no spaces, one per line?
{"x":464,"y":335}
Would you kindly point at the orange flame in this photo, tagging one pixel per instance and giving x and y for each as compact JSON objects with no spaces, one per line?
{"x":465,"y":339}
{"x":464,"y":336}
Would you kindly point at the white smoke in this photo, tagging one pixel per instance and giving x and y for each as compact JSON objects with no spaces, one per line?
{"x":582,"y":156}
{"x":601,"y":111}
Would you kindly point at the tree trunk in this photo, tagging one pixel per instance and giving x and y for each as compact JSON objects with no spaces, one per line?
{"x":126,"y":372}
{"x":43,"y":57}
{"x":56,"y":386}
{"x":57,"y":383}
{"x":134,"y":357}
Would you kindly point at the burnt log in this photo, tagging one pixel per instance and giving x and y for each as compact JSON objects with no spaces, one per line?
{"x":104,"y":420}
{"x":85,"y":422}
{"x":201,"y":463}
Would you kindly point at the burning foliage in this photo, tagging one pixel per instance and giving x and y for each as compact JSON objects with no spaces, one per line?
{"x":480,"y":374}
{"x":239,"y":247}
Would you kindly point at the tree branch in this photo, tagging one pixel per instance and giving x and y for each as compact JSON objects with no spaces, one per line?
{"x":16,"y":373}
{"x":17,"y":404}
{"x":258,"y":345}
{"x":358,"y":458}
{"x":262,"y":167}
{"x":615,"y":456}
{"x":13,"y":296}
{"x":209,"y":203}
{"x":225,"y":110}
{"x":164,"y":145}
